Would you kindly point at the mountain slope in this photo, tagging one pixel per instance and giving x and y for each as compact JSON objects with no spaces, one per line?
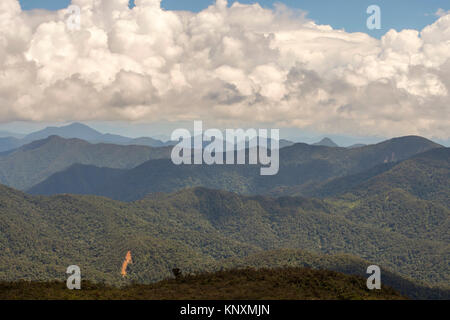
{"x":302,"y":167}
{"x":193,"y":230}
{"x":78,"y":179}
{"x":411,"y":197}
{"x":425,"y":175}
{"x":34,"y":162}
{"x":356,"y":145}
{"x":8,"y":134}
{"x":9,"y":143}
{"x":344,"y":263}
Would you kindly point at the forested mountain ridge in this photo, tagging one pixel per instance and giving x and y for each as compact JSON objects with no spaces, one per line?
{"x":193,"y":229}
{"x":302,"y":167}
{"x":34,"y":162}
{"x":425,"y":175}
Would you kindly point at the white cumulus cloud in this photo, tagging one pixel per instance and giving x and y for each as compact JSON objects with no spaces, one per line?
{"x":229,"y":66}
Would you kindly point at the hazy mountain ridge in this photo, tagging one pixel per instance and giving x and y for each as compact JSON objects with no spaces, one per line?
{"x":84,"y":132}
{"x":7,"y":134}
{"x":326,"y":142}
{"x":34,"y":162}
{"x":9,"y":143}
{"x":302,"y":167}
{"x":76,"y":131}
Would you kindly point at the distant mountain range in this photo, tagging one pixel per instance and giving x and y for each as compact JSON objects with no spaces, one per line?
{"x":84,"y":132}
{"x":6,"y":134}
{"x":302,"y":168}
{"x":32,"y":163}
{"x":9,"y":143}
{"x":76,"y":131}
{"x":326,"y":142}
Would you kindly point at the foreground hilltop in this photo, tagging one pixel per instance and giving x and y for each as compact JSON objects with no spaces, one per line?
{"x":248,"y":284}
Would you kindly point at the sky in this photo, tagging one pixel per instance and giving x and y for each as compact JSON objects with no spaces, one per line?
{"x":340,"y":14}
{"x":312,"y":68}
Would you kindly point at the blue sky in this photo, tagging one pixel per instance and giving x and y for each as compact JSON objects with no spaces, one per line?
{"x":340,"y":14}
